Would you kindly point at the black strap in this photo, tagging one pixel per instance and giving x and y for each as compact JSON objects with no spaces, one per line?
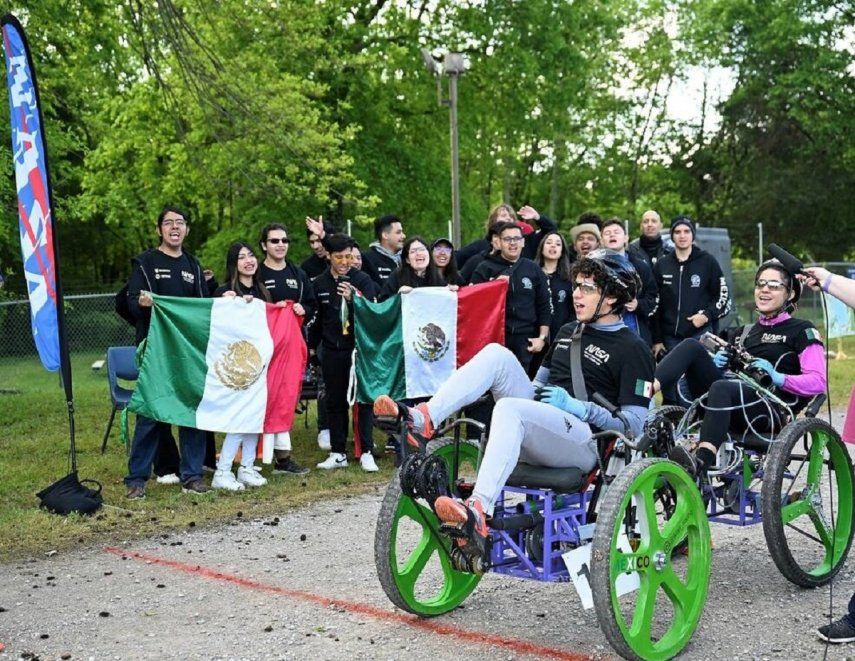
{"x":579,"y":390}
{"x":745,"y":330}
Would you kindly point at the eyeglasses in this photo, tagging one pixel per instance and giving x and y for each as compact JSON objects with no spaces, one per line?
{"x":586,"y":287}
{"x":178,"y":222}
{"x":442,"y":250}
{"x":276,"y":241}
{"x":773,"y":285}
{"x":511,"y":239}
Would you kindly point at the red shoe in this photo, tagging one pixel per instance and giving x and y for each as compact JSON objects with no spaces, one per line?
{"x":387,"y":408}
{"x":469,"y":516}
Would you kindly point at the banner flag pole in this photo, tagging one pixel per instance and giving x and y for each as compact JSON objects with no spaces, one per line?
{"x":39,"y":241}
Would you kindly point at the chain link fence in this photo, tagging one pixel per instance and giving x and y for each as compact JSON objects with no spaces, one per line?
{"x":93,"y":324}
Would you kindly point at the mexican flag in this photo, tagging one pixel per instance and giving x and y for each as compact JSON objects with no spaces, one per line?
{"x":409,"y":344}
{"x":221,"y":364}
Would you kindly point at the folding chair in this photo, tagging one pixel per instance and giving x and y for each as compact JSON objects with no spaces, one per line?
{"x":121,"y":364}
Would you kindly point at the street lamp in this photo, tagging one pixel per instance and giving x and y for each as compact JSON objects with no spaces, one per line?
{"x":453,"y":67}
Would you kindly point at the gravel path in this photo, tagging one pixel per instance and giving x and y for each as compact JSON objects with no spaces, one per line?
{"x":98,"y":604}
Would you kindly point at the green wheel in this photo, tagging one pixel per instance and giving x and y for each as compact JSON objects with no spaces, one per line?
{"x":411,"y":556}
{"x":634,"y":541}
{"x":807,"y":502}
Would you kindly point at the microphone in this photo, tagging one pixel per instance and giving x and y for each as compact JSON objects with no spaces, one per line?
{"x":792,"y":264}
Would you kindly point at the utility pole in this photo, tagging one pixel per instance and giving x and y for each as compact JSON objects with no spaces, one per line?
{"x":453,"y":67}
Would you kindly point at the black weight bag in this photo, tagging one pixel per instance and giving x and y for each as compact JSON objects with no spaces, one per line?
{"x":69,"y":494}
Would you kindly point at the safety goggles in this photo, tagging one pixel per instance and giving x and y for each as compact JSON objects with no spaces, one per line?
{"x":773,"y":285}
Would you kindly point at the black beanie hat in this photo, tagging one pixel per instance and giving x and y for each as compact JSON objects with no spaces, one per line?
{"x":682,"y":220}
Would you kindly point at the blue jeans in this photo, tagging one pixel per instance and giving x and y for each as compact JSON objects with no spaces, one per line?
{"x":144,"y":447}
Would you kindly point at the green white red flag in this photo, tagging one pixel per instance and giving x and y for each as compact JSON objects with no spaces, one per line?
{"x":409,"y":344}
{"x":221,"y":364}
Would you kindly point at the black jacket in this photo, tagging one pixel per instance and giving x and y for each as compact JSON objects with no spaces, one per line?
{"x":314,"y":266}
{"x":144,"y":278}
{"x":528,"y":305}
{"x":561,"y":293}
{"x":648,"y":297}
{"x":685,"y":288}
{"x":531,"y":241}
{"x":651,"y":251}
{"x":378,"y":265}
{"x":325,"y":328}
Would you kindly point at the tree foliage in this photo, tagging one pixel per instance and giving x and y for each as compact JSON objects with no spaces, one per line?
{"x":251,"y":111}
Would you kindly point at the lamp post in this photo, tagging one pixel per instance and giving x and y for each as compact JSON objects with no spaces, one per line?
{"x":453,"y":67}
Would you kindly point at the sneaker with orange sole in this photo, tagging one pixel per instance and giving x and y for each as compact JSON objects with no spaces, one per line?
{"x":469,"y":517}
{"x":387,"y":409}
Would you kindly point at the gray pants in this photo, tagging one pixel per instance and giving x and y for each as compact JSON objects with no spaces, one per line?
{"x":521,"y":429}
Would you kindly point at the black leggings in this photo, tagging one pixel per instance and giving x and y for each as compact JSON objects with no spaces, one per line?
{"x":689,"y":358}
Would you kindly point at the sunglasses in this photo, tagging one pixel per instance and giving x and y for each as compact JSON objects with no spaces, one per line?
{"x":441,"y":250}
{"x":773,"y":285}
{"x":276,"y":241}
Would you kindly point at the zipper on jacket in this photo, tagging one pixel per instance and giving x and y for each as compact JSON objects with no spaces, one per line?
{"x":679,"y":301}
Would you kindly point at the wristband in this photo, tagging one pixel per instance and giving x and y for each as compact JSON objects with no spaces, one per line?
{"x":827,"y":283}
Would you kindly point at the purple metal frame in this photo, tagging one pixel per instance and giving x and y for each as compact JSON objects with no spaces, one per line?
{"x":563,"y":514}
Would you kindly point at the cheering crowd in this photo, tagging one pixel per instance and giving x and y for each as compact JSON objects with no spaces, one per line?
{"x":683,"y":294}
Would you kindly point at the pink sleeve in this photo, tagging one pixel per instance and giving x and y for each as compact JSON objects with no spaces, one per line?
{"x":812,"y":379}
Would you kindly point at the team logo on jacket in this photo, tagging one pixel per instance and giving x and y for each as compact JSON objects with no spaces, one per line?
{"x":696,"y":280}
{"x":291,"y":282}
{"x":562,"y":296}
{"x":526,"y":283}
{"x":188,"y":277}
{"x":431,"y":344}
{"x":239,"y":366}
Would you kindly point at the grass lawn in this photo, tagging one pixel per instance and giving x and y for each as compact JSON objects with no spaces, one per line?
{"x":34,"y":453}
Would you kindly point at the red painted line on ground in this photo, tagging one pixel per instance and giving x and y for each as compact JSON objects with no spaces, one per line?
{"x":480,"y":638}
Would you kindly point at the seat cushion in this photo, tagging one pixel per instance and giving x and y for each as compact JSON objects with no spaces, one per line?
{"x":563,"y":480}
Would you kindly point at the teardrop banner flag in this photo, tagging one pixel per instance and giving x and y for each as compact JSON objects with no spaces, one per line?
{"x":34,"y":197}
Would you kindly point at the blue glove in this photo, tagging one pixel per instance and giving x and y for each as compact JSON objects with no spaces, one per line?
{"x":560,"y":398}
{"x":766,"y":366}
{"x":721,"y":359}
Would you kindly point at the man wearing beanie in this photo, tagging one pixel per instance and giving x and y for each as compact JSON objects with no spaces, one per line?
{"x":693,"y":293}
{"x":651,"y":246}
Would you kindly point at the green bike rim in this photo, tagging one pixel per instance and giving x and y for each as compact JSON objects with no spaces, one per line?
{"x":812,"y":509}
{"x":662,"y":614}
{"x":455,"y":586}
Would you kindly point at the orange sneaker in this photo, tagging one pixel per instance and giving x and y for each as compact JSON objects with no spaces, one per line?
{"x":386,"y":408}
{"x":468,"y":516}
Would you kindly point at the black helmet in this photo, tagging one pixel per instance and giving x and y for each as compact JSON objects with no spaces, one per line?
{"x":793,"y":283}
{"x":614,"y":274}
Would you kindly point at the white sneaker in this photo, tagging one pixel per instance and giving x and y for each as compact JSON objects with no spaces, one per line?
{"x":170,"y":478}
{"x":226,"y":480}
{"x":250,"y":477}
{"x":324,"y":439}
{"x":335,"y":460}
{"x":367,"y":462}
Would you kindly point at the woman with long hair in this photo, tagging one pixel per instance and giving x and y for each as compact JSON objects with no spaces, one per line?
{"x":242,"y":279}
{"x":416,"y":270}
{"x":554,"y":260}
{"x":442,"y":252}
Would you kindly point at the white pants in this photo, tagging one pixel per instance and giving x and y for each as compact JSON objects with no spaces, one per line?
{"x":521,"y":429}
{"x":247,"y":444}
